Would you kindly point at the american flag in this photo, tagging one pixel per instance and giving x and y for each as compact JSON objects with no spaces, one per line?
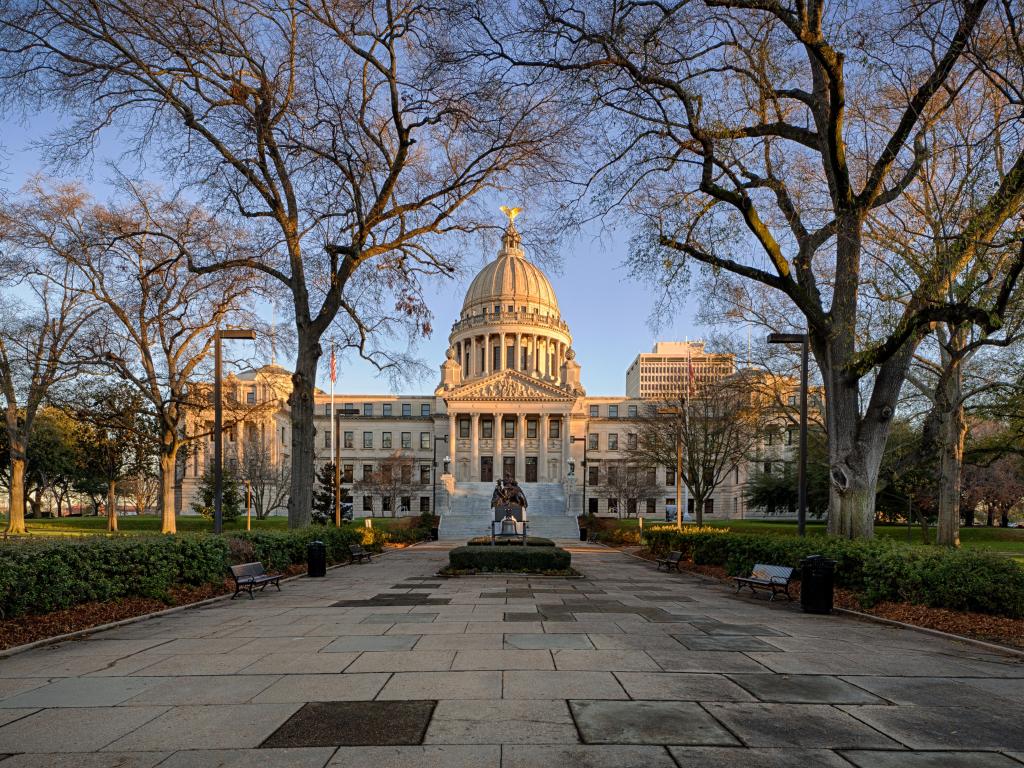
{"x":334,"y":367}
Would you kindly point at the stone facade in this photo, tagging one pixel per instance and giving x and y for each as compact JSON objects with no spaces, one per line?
{"x":509,"y":403}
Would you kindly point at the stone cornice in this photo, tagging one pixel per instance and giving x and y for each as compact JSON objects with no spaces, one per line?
{"x":509,"y":386}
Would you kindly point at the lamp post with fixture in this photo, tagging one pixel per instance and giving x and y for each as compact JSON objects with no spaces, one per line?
{"x":804,"y":341}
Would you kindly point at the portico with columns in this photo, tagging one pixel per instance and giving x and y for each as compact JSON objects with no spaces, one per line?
{"x":510,"y":381}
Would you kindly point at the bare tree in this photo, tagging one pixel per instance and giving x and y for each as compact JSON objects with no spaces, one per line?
{"x":36,"y":347}
{"x":738,"y":135}
{"x":159,"y":318}
{"x":268,"y":480}
{"x":340,"y":134}
{"x":391,"y":480}
{"x":630,"y":483}
{"x":715,"y":430}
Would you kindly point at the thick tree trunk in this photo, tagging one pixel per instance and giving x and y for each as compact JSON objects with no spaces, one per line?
{"x":112,"y":506}
{"x":300,"y":501}
{"x":855,"y":455}
{"x":952,"y":432}
{"x":990,"y":519}
{"x":168,"y":461}
{"x":16,"y":496}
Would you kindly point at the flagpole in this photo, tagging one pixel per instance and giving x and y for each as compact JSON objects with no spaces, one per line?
{"x":333,"y":427}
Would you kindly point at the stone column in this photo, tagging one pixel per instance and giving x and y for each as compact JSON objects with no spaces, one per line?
{"x":498,"y":448}
{"x":565,"y":447}
{"x":474,"y":448}
{"x":518,"y":356}
{"x":502,"y":360}
{"x":542,"y":459}
{"x":453,"y":436}
{"x":521,"y":447}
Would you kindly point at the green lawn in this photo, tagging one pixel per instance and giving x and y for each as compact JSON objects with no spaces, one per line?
{"x":1003,"y":540}
{"x":134,"y":525}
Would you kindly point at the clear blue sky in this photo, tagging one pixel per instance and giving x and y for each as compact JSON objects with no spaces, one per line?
{"x":606,"y":312}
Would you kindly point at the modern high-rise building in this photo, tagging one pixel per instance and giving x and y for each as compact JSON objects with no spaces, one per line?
{"x":665,"y":371}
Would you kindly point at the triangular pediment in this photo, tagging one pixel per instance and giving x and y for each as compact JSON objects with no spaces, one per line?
{"x":509,"y":385}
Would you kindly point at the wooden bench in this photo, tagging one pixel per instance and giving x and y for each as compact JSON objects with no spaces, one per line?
{"x":775,"y":578}
{"x":357,"y":553}
{"x":250,"y":575}
{"x":672,"y":559}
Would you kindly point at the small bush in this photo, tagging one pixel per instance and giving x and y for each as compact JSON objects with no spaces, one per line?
{"x":960,"y":580}
{"x":531,"y":559}
{"x":531,"y":541}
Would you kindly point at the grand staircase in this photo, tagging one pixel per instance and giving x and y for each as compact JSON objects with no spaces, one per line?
{"x":470,"y":512}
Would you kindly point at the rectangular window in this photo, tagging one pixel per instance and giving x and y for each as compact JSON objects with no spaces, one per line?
{"x":593,"y":475}
{"x":792,"y":400}
{"x":367,"y":472}
{"x":327,"y":410}
{"x":367,"y":439}
{"x":250,"y":397}
{"x":425,"y":440}
{"x":593,"y":441}
{"x":346,"y":473}
{"x":424,"y":503}
{"x":282,"y":436}
{"x":385,"y":440}
{"x":613,"y":474}
{"x":592,"y":505}
{"x":464,"y":425}
{"x":613,"y":441}
{"x":593,"y":411}
{"x":790,"y":436}
{"x":385,"y":503}
{"x":424,"y":474}
{"x":367,"y":409}
{"x":486,"y":428}
{"x":709,"y":506}
{"x":405,"y":473}
{"x":531,"y":429}
{"x":555,"y":428}
{"x":631,"y":441}
{"x":496,"y":358}
{"x":407,"y":409}
{"x":613,"y":411}
{"x":523,"y":361}
{"x":613,"y":506}
{"x":327,"y":439}
{"x":349,"y":438}
{"x":350,"y":406}
{"x":367,"y":503}
{"x":424,"y":409}
{"x":650,"y":506}
{"x":407,"y":439}
{"x":767,"y":468}
{"x":386,"y":409}
{"x":631,"y":411}
{"x":509,"y":427}
{"x":670,"y":476}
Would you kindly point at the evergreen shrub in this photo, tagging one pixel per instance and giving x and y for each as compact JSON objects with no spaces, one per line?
{"x":959,"y":580}
{"x":488,"y":558}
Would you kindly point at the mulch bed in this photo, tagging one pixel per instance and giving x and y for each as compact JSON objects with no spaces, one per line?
{"x":20,"y":630}
{"x":979,"y":626}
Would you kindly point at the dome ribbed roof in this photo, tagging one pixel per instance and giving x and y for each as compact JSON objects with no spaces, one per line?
{"x":510,"y":280}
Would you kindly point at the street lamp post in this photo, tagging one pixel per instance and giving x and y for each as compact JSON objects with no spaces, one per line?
{"x":218,"y":420}
{"x":804,"y":341}
{"x":337,"y":461}
{"x":433,"y":474}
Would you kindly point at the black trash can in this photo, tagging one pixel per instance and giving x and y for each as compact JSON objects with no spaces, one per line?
{"x":583,"y":534}
{"x":435,"y":533}
{"x":817,"y":579}
{"x":316,"y":559}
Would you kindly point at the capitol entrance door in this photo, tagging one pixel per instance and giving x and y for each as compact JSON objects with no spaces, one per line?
{"x":531,"y":469}
{"x":486,"y":469}
{"x":508,"y":467}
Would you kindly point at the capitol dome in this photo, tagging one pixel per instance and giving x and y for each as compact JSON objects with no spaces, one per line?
{"x":511,"y":283}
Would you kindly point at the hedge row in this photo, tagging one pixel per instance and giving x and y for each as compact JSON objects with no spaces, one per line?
{"x":531,"y":541}
{"x":960,"y":580}
{"x":488,"y":558}
{"x":42,"y":576}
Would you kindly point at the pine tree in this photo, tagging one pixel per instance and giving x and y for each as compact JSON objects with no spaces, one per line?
{"x":323,"y":495}
{"x":232,"y":501}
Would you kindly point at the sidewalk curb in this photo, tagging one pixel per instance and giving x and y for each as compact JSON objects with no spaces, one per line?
{"x":1003,"y":649}
{"x":15,"y":650}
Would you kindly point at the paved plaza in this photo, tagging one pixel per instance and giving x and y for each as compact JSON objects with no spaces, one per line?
{"x":385,"y":665}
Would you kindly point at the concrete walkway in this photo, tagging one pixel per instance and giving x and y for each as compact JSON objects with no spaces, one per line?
{"x":385,"y":666}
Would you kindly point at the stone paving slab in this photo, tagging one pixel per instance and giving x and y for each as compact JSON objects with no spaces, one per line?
{"x":658,"y":670}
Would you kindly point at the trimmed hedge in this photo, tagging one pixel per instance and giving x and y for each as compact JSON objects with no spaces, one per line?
{"x":488,"y":558}
{"x":39,"y":576}
{"x":531,"y":541}
{"x":959,"y":580}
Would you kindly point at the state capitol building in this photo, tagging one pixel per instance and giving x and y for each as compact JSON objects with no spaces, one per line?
{"x":510,"y":403}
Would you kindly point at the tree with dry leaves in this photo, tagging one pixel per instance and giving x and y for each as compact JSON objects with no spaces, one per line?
{"x":758,"y":138}
{"x":348,"y":138}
